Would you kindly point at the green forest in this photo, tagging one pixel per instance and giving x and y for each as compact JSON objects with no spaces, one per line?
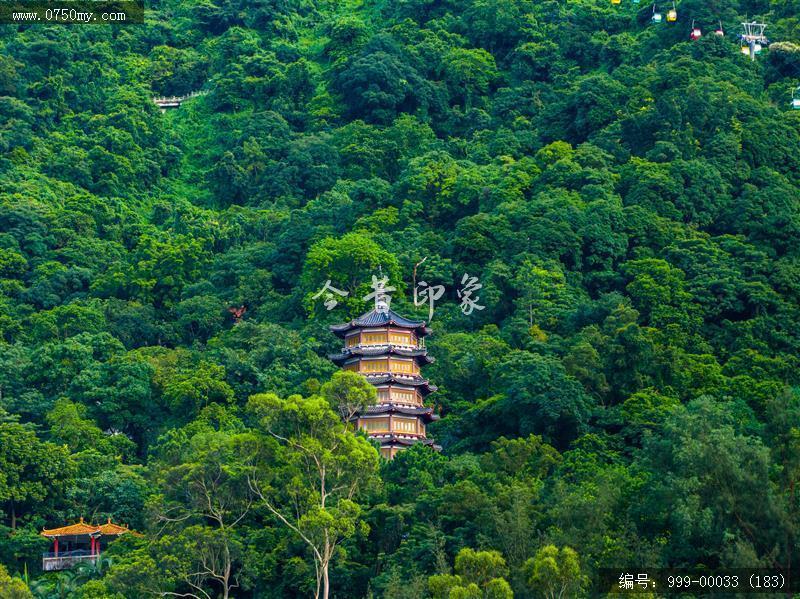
{"x":627,"y":197}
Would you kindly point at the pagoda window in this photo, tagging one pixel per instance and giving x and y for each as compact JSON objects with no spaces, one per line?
{"x":375,"y":425}
{"x":352,"y":340}
{"x":404,"y":366}
{"x":353,"y":367}
{"x":384,"y":395}
{"x":379,"y":338}
{"x":404,"y":425}
{"x":408,"y":396}
{"x":374,"y":366}
{"x":404,"y":396}
{"x":400,"y":338}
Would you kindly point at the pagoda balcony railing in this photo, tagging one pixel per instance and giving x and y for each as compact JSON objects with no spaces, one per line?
{"x":408,"y":346}
{"x":407,"y":375}
{"x":66,"y":559}
{"x":379,"y":434}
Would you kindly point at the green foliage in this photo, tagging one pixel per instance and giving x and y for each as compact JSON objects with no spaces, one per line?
{"x":309,"y":474}
{"x":13,"y":588}
{"x":479,"y":575}
{"x":555,"y":572}
{"x":627,"y":198}
{"x":348,"y":393}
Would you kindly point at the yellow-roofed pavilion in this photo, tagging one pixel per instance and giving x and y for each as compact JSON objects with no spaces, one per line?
{"x":79,"y":542}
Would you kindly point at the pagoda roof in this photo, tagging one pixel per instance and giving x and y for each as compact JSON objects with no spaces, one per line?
{"x":83,"y":528}
{"x":419,"y":354}
{"x":376,"y":318}
{"x":411,"y":381}
{"x":424,"y":412}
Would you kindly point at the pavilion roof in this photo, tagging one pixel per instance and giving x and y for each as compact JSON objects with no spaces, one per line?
{"x":83,"y":528}
{"x":375,"y":318}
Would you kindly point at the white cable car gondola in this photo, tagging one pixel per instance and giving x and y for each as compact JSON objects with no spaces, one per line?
{"x":656,"y":18}
{"x":796,"y":98}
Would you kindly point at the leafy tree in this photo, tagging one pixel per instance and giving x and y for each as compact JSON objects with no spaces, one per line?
{"x":13,"y":588}
{"x":306,"y":443}
{"x":204,"y":472}
{"x":34,"y":472}
{"x":479,"y":575}
{"x":555,"y":572}
{"x":348,"y":393}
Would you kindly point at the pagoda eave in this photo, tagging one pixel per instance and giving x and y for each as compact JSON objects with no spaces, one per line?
{"x":377,"y":318}
{"x":410,"y":381}
{"x":424,"y":413}
{"x":419,"y":355}
{"x":395,"y":440}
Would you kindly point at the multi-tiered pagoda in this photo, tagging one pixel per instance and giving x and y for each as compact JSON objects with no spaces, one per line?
{"x":389,"y":351}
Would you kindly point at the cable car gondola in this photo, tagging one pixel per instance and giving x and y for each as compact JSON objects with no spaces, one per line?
{"x":656,"y":18}
{"x":672,"y":15}
{"x":720,"y":31}
{"x":696,"y":33}
{"x":753,"y":38}
{"x":796,"y":98}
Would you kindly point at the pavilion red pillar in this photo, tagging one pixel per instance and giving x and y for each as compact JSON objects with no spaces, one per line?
{"x":55,"y":546}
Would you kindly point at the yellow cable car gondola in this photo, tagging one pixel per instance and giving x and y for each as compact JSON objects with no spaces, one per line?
{"x":672,"y":15}
{"x":616,"y":1}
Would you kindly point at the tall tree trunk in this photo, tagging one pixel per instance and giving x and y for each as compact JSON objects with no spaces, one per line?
{"x":325,"y":581}
{"x":13,"y":516}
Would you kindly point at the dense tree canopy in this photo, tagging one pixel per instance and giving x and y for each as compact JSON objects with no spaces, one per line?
{"x":622,"y":392}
